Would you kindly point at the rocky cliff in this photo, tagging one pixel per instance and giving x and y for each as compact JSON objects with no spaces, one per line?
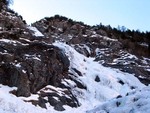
{"x":30,"y":64}
{"x":93,"y":42}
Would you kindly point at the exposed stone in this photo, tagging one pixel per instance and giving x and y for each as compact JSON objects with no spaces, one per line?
{"x":97,"y":79}
{"x":78,"y":72}
{"x":42,"y":102}
{"x":59,"y":107}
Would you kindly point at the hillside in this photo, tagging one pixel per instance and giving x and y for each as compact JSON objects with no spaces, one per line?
{"x":93,"y":41}
{"x":58,"y":64}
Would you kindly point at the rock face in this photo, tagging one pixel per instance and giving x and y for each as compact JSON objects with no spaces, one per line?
{"x":32,"y":67}
{"x":30,"y":64}
{"x":90,"y":41}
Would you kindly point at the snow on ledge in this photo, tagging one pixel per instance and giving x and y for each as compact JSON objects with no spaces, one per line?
{"x":37,"y":33}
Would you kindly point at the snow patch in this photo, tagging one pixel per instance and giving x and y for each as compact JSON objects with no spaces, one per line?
{"x":136,"y":102}
{"x":37,"y":33}
{"x":18,"y":65}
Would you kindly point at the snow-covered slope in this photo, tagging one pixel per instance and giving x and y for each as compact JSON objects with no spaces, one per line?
{"x":100,"y":84}
{"x":12,"y":104}
{"x":135,"y":102}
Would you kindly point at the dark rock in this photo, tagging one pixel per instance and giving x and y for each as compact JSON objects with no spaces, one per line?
{"x":34,"y":102}
{"x":118,"y":104}
{"x":8,"y":58}
{"x":97,"y":79}
{"x":56,"y":100}
{"x":59,"y":107}
{"x":79,"y":84}
{"x":119,"y":96}
{"x":42,"y":102}
{"x":62,"y":58}
{"x":135,"y":99}
{"x":121,"y":82}
{"x":78,"y":72}
{"x":35,"y":65}
{"x":53,"y":101}
{"x":132,"y":87}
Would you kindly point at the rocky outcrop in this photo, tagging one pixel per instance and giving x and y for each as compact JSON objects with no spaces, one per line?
{"x":30,"y":63}
{"x":32,"y":67}
{"x":105,"y":47}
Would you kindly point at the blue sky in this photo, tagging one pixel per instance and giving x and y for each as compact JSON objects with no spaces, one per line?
{"x":134,"y":14}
